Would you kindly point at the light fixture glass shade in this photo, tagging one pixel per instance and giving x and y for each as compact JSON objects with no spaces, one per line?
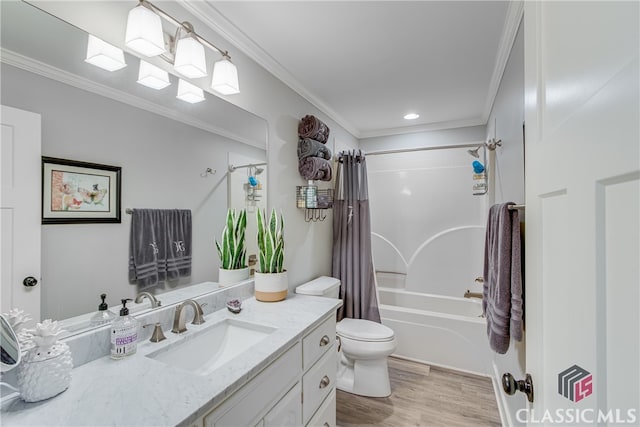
{"x":144,"y":32}
{"x":189,"y":93}
{"x":225,"y":77}
{"x":190,"y":60}
{"x":152,"y":76}
{"x":103,"y":55}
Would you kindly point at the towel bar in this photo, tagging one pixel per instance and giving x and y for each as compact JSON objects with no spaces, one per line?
{"x":515,"y":207}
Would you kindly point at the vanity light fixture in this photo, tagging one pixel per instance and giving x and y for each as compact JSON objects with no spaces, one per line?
{"x":144,"y":31}
{"x":187,"y":53}
{"x":151,"y":76}
{"x":190,"y":59}
{"x":189,"y":93}
{"x":225,"y":77}
{"x":103,"y":55}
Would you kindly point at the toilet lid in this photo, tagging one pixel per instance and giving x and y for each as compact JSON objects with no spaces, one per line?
{"x":363,"y":330}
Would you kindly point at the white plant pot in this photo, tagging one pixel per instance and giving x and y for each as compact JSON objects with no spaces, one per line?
{"x":229,"y":277}
{"x":271,"y":287}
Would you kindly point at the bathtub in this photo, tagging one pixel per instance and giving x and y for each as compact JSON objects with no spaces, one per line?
{"x":437,"y":330}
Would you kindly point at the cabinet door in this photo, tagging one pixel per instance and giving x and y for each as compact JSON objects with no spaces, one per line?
{"x":318,"y":341}
{"x":326,"y":415}
{"x":318,"y":382}
{"x":287,"y":412}
{"x":248,"y":405}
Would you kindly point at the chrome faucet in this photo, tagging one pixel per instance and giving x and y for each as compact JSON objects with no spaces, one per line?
{"x":470,"y":294}
{"x":179,"y":323}
{"x":154,"y":302}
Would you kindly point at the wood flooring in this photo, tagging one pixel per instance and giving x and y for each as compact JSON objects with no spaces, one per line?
{"x":423,"y":396}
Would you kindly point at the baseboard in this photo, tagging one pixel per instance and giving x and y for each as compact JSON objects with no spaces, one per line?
{"x":441,"y":366}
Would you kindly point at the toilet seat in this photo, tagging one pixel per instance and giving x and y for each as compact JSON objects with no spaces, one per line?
{"x":364,"y":330}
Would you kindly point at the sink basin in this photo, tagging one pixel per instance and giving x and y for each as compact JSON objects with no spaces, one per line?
{"x":204,"y":351}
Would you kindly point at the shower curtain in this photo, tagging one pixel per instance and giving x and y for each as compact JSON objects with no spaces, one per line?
{"x":352,"y":257}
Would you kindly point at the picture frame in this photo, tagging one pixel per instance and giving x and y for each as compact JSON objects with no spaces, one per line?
{"x":75,"y":192}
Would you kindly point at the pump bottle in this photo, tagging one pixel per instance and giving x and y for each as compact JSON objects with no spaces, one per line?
{"x":124,"y":333}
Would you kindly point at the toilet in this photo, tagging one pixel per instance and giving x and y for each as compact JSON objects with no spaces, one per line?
{"x":364,"y":346}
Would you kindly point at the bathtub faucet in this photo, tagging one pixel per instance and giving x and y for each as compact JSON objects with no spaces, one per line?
{"x":470,"y":294}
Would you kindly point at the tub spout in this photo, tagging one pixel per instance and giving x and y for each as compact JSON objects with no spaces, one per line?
{"x":470,"y":294}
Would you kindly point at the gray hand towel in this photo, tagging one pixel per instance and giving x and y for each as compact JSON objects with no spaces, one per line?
{"x":159,"y":246}
{"x":147,"y":249}
{"x":178,"y":243}
{"x":502,"y":290}
{"x":308,"y":147}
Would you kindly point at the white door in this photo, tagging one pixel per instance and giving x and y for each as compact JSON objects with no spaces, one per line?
{"x":582,"y":211}
{"x":20,"y":210}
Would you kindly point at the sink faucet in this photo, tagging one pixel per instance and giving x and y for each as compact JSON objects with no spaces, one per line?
{"x":154,"y":302}
{"x":179,"y":323}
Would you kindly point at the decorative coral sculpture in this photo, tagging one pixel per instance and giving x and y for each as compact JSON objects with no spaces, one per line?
{"x":17,"y":318}
{"x":45,"y":370}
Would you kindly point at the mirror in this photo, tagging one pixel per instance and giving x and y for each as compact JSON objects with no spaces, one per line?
{"x":163,"y":145}
{"x":9,"y":346}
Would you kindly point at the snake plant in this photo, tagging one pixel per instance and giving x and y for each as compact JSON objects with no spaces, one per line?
{"x":270,"y":242}
{"x":232,"y":251}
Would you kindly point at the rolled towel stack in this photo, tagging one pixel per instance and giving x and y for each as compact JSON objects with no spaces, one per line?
{"x":315,"y":168}
{"x":314,"y":128}
{"x":314,"y":158}
{"x":308,"y":147}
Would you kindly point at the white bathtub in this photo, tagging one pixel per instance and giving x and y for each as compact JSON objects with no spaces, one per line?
{"x":437,"y":330}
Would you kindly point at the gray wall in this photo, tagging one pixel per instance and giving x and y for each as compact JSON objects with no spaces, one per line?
{"x":161,"y":162}
{"x":508,"y":185}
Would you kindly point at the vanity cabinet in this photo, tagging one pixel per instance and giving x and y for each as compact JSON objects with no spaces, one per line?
{"x":297,"y":389}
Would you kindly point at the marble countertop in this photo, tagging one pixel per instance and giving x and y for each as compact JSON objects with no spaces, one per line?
{"x":142,"y":391}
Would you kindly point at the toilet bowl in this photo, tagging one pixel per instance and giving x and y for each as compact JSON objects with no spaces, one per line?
{"x":363,"y":349}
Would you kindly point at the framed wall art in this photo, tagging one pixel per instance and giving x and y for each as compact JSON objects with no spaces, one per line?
{"x":79,"y":192}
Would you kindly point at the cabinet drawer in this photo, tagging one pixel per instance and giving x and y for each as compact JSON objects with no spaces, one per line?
{"x":326,"y":415}
{"x":249,"y":404}
{"x":318,"y":341}
{"x":318,"y":382}
{"x":287,"y":412}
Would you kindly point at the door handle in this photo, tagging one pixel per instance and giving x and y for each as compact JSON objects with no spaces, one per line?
{"x":30,"y":281}
{"x":510,"y":385}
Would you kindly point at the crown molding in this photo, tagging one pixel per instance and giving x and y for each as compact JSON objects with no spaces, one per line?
{"x":509,"y":33}
{"x":219,"y":23}
{"x":37,"y":67}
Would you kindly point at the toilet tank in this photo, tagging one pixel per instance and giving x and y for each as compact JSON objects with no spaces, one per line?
{"x":323,"y":286}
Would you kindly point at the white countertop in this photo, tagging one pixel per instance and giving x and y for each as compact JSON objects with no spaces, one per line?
{"x":140,"y":391}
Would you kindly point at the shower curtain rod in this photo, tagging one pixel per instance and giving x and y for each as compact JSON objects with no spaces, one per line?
{"x":435,"y":147}
{"x":249,"y":165}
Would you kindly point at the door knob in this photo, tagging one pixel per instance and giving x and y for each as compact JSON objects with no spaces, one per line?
{"x":510,"y":385}
{"x":30,"y":281}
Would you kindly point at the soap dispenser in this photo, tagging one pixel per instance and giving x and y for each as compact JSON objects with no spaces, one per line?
{"x":103,"y":316}
{"x":124,"y":333}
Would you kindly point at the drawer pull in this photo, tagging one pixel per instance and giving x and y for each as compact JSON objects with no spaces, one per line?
{"x":326,"y":425}
{"x":324,"y":341}
{"x":324,"y":381}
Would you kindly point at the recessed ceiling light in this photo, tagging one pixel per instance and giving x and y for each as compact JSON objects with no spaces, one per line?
{"x":411,"y":116}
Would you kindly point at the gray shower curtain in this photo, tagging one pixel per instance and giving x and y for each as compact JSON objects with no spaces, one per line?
{"x":352,"y":257}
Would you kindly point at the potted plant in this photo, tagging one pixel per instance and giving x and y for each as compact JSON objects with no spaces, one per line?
{"x":232,"y":251}
{"x":271,"y":283}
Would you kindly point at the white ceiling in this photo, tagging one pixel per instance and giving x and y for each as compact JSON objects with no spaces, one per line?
{"x":367,"y":63}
